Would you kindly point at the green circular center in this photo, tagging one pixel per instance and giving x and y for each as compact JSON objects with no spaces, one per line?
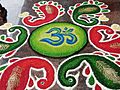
{"x":58,"y":39}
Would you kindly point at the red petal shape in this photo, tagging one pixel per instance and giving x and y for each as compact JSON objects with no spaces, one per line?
{"x":118,"y":59}
{"x":50,"y":2}
{"x":118,"y":62}
{"x":84,"y":15}
{"x":42,"y":15}
{"x":99,"y":14}
{"x":13,"y":60}
{"x":70,"y":12}
{"x":30,"y":83}
{"x":9,"y":53}
{"x":87,"y":71}
{"x":115,"y":55}
{"x":9,"y":39}
{"x":97,"y":87}
{"x":38,"y":10}
{"x":61,"y":13}
{"x":36,"y":4}
{"x":110,"y":32}
{"x":98,"y":53}
{"x":116,"y":35}
{"x":91,"y":1}
{"x":78,"y":4}
{"x":60,"y":6}
{"x":104,"y":6}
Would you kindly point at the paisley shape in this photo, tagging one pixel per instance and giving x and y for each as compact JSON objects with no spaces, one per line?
{"x":47,"y":12}
{"x":5,"y":47}
{"x":9,"y":54}
{"x":97,"y":39}
{"x":16,"y":76}
{"x":104,"y":70}
{"x":89,"y":9}
{"x":87,"y":14}
{"x":31,"y":83}
{"x":58,"y":39}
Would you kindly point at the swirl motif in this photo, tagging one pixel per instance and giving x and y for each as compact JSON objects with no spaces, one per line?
{"x":87,"y":14}
{"x":61,"y":38}
{"x":47,"y":12}
{"x":17,"y":75}
{"x":112,"y":45}
{"x":60,"y":35}
{"x":21,"y":39}
{"x":105,"y":71}
{"x":86,"y":9}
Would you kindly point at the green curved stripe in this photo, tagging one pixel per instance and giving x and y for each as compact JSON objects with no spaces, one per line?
{"x":6,"y":47}
{"x":86,"y":9}
{"x":3,"y":67}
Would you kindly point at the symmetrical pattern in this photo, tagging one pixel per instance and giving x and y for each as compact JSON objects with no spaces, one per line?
{"x":62,"y":39}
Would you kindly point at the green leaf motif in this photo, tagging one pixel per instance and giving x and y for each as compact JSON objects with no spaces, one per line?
{"x":71,"y":7}
{"x":105,"y":10}
{"x":110,"y":57}
{"x":40,"y":13}
{"x":56,"y":4}
{"x":96,"y":2}
{"x":45,"y":2}
{"x":100,"y":3}
{"x":91,"y":80}
{"x":3,"y":67}
{"x":41,"y":2}
{"x":35,"y":7}
{"x":61,"y":9}
{"x":90,"y":15}
{"x":3,"y":37}
{"x":84,"y":3}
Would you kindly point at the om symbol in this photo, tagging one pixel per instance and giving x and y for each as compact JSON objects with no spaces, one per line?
{"x":60,"y":34}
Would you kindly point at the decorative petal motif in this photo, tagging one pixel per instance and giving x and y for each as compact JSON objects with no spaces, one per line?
{"x":47,"y":12}
{"x":9,"y":46}
{"x":102,"y":70}
{"x":92,"y":9}
{"x":110,"y":44}
{"x":17,"y":75}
